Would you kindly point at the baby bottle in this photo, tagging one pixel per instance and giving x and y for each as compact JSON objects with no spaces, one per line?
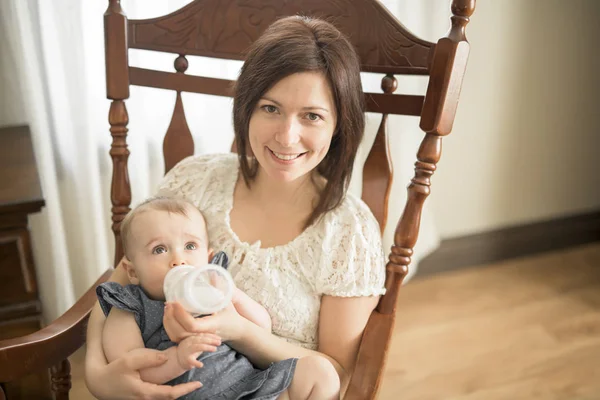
{"x":200,"y":290}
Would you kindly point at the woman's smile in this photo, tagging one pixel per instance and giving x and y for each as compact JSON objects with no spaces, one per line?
{"x":286,"y":158}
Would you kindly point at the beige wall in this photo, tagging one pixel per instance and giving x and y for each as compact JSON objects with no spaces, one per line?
{"x":526,"y":140}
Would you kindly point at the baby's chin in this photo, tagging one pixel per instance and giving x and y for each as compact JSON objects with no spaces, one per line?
{"x":158,"y":296}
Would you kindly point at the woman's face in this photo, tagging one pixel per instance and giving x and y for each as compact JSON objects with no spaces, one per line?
{"x":292,"y":125}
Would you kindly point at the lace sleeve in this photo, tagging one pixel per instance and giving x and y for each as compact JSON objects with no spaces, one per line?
{"x":353,"y":262}
{"x":189,"y":178}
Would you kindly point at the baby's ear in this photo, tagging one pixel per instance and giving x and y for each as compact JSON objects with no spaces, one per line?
{"x":211,"y":254}
{"x":131,"y":274}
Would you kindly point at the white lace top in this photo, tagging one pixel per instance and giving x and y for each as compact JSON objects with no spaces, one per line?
{"x":341,"y":255}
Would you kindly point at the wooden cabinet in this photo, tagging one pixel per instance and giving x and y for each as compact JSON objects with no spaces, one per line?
{"x":20,"y":196}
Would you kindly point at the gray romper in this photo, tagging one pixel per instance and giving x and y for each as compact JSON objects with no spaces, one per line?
{"x":226,"y":375}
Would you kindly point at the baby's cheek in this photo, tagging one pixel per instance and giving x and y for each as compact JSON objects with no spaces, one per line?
{"x":201,"y":259}
{"x":155,"y":287}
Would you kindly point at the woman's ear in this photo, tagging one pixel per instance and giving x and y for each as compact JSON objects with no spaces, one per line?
{"x":131,"y":274}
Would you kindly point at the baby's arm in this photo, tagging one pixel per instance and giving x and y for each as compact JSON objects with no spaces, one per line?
{"x":121,"y":334}
{"x":251,"y":310}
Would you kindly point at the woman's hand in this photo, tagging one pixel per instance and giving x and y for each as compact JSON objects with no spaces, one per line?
{"x":228,"y":324}
{"x":120,"y":380}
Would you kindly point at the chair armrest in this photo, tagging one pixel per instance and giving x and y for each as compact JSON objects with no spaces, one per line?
{"x":51,"y":344}
{"x":372,"y":354}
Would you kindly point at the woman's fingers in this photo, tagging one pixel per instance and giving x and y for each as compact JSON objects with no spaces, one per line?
{"x":187,"y":322}
{"x":163,"y":392}
{"x":184,"y":388}
{"x":175,"y":331}
{"x":179,"y":324}
{"x":126,"y":383}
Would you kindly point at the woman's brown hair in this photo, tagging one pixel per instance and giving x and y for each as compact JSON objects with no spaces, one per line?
{"x":301,"y":44}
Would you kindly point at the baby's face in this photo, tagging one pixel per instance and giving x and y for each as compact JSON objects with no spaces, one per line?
{"x":160,"y":240}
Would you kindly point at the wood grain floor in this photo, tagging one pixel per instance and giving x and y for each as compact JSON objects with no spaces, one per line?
{"x":522,"y":329}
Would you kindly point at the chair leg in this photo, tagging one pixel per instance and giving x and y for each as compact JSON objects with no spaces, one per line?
{"x":61,"y":380}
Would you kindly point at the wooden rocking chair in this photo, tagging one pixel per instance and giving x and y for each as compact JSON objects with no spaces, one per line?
{"x":227,"y":28}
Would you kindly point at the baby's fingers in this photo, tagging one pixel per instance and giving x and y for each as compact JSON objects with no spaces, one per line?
{"x":208,"y":338}
{"x":190,"y":361}
{"x":199,"y":347}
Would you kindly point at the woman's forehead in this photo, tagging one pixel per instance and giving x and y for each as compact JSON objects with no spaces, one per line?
{"x":304,"y":89}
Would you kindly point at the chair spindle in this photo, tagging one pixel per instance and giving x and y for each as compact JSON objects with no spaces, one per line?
{"x":378,"y":169}
{"x":61,"y":380}
{"x":178,"y":142}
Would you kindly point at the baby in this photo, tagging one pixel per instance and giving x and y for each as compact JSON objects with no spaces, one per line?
{"x":158,"y":235}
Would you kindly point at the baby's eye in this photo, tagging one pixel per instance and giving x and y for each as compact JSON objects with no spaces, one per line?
{"x":313,"y":117}
{"x":270,"y":109}
{"x":159,"y":250}
{"x":191,"y":246}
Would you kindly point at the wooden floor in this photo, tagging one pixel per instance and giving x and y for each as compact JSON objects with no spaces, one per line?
{"x":522,"y":329}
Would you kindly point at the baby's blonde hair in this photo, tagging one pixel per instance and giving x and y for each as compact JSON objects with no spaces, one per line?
{"x":159,"y":203}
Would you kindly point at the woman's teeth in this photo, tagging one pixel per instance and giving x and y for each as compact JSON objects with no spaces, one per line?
{"x":286,"y":157}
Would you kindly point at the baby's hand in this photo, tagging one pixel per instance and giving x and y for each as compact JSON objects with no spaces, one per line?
{"x":190,"y":348}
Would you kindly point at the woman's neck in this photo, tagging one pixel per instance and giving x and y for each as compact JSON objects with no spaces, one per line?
{"x":299,"y":195}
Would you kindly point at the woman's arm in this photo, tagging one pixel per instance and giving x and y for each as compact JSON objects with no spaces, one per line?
{"x":248,"y":308}
{"x":342,"y":321}
{"x":244,"y":305}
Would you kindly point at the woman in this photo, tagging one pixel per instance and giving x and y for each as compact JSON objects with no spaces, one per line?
{"x":300,"y":245}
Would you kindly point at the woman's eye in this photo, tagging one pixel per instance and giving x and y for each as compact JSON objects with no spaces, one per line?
{"x":269,"y":109}
{"x":313,"y":117}
{"x":191,"y":246}
{"x":159,"y":250}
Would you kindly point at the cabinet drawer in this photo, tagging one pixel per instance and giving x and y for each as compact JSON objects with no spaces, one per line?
{"x":17,"y":276}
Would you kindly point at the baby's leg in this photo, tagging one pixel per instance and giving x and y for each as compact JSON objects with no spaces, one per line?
{"x":314,"y":379}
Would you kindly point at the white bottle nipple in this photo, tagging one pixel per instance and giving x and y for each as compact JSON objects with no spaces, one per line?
{"x":200,"y":290}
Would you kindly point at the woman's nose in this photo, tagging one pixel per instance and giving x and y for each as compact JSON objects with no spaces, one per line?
{"x":289,"y":134}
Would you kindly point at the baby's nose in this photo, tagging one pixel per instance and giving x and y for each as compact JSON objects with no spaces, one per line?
{"x":177,"y":261}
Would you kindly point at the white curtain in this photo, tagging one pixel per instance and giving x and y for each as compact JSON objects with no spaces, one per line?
{"x":53,"y":79}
